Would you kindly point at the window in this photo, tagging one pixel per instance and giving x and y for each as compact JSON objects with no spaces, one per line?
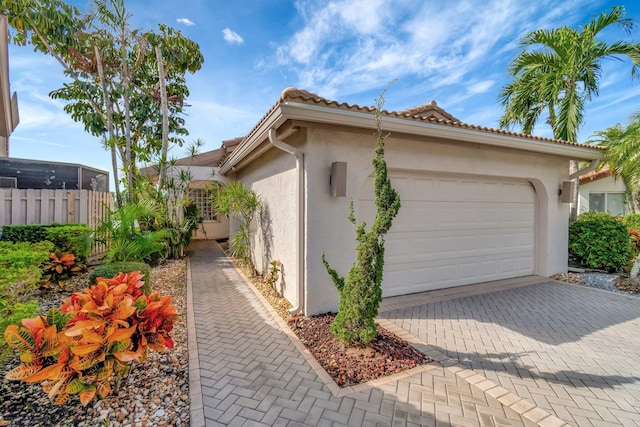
{"x":202,"y":199}
{"x":614,"y":203}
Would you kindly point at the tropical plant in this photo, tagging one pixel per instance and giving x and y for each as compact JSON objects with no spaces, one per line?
{"x":239,"y":201}
{"x":95,"y":334}
{"x":562,"y":73}
{"x":623,"y":154}
{"x":361,"y":293}
{"x":60,"y":268}
{"x":121,"y":230}
{"x":115,"y":268}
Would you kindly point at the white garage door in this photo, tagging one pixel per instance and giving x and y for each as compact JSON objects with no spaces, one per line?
{"x":455,"y":230}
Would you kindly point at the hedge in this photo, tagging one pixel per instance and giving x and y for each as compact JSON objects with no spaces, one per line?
{"x":66,"y":238}
{"x":598,"y":240}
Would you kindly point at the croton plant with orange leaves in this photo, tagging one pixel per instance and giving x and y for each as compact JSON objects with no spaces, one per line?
{"x":95,"y":334}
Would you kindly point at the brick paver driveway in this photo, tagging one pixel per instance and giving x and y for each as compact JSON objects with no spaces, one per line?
{"x":571,"y":350}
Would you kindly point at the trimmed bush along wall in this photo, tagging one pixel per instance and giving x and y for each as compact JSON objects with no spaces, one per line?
{"x":66,"y":238}
{"x":599,"y":240}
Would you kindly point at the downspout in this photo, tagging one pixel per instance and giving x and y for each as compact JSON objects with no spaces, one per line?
{"x":592,"y":166}
{"x":273,"y":139}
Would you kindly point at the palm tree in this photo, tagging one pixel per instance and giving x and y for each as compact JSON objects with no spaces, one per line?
{"x":562,"y":74}
{"x":623,"y":154}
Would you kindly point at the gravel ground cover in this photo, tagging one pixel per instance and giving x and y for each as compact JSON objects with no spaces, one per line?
{"x":605,"y":281}
{"x":156,"y":392}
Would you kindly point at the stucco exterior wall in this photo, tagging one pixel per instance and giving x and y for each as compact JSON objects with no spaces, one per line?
{"x":604,"y":185}
{"x":275,"y":178}
{"x":329,"y":231}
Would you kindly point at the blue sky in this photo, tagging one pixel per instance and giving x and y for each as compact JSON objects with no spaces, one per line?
{"x":453,"y":52}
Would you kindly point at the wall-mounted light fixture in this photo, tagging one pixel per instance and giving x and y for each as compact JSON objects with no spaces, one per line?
{"x":567,"y":192}
{"x":338,"y":179}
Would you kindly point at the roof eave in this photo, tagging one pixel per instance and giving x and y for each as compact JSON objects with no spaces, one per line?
{"x":336,"y":116}
{"x":321,"y":114}
{"x":273,"y":119}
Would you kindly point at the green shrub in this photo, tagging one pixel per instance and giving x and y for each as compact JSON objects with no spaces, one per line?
{"x":631,"y":220}
{"x":598,"y":240}
{"x":19,"y":275}
{"x":67,"y":238}
{"x":111,"y":269}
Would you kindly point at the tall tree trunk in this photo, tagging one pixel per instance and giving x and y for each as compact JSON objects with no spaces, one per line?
{"x":165,"y":118}
{"x":109,"y":109}
{"x":127,"y":125}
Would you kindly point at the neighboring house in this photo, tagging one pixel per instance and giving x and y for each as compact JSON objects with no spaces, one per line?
{"x":478,"y":204}
{"x":41,"y":174}
{"x":8,"y":103}
{"x":203,"y":172}
{"x":599,"y":191}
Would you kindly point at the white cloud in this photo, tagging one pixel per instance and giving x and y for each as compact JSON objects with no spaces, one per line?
{"x":185,"y":21}
{"x":232,"y":37}
{"x":347,"y":46}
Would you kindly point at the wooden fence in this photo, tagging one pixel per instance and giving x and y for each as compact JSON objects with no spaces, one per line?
{"x":60,"y":206}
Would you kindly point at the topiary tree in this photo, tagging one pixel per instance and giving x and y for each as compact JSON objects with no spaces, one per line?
{"x":361,"y":293}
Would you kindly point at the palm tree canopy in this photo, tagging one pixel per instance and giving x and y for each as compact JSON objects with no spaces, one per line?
{"x":559,"y":70}
{"x":623,"y":150}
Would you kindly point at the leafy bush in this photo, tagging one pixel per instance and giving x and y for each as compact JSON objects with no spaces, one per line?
{"x":598,"y":240}
{"x":68,"y":238}
{"x":111,"y":269}
{"x":77,"y":348}
{"x":72,"y":239}
{"x":126,"y":240}
{"x":20,"y":265}
{"x":631,"y":220}
{"x":61,"y":267}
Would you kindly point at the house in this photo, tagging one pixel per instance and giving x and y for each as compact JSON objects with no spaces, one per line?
{"x":8,"y":103}
{"x":202,"y":172}
{"x":478,"y":204}
{"x":600,"y":191}
{"x":47,"y":175}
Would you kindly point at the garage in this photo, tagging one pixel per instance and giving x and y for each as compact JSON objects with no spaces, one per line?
{"x":455,"y":230}
{"x":478,"y":204}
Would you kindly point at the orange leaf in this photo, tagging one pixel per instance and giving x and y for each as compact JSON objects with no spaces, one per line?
{"x":124,"y":310}
{"x":84,"y":349}
{"x":86,"y":395}
{"x":121,"y":334}
{"x":79,"y":327}
{"x":120,"y":289}
{"x":128,"y":356}
{"x":23,"y":371}
{"x":15,"y":339}
{"x":49,"y":373}
{"x":34,"y":324}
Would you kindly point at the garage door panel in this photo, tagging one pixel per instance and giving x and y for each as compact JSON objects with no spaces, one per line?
{"x":454,"y":231}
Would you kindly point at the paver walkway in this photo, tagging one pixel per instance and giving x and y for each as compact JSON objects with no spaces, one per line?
{"x":571,"y":350}
{"x":245,"y":370}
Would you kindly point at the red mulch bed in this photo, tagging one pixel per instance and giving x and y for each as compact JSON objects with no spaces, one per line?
{"x":385,"y":355}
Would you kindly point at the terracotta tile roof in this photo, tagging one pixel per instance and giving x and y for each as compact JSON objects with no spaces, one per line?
{"x":595,"y":175}
{"x":418,"y":113}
